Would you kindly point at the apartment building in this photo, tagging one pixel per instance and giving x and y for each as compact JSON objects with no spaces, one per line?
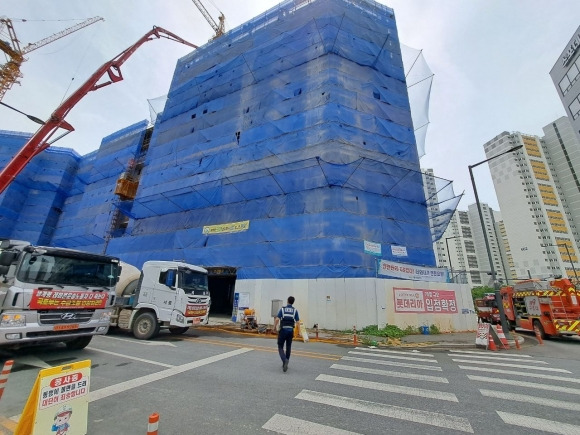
{"x":538,"y":223}
{"x":566,"y":77}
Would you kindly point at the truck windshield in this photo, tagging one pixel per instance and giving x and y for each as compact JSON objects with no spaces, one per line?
{"x":193,"y":282}
{"x":62,"y":270}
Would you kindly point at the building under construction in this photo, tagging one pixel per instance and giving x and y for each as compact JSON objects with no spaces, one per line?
{"x":284,"y":146}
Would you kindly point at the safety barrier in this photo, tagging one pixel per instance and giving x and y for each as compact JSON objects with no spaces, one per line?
{"x":4,"y":375}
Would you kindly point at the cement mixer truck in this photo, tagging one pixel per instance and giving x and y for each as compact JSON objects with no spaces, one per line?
{"x":164,"y":294}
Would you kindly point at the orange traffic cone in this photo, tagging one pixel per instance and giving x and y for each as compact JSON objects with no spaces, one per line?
{"x":354,"y":336}
{"x":518,"y":347}
{"x":491,"y":345}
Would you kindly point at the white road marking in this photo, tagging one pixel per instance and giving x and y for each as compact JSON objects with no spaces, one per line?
{"x":138,"y":382}
{"x":294,"y":426}
{"x":391,"y":373}
{"x":143,"y":342}
{"x":519,"y":366}
{"x":539,"y":424}
{"x":520,"y":373}
{"x":131,"y":357}
{"x":500,"y":358}
{"x":485,"y":353}
{"x":400,"y":389}
{"x":380,"y":355}
{"x":525,"y":384}
{"x":392,"y":363}
{"x":391,"y":411}
{"x":412,"y":352}
{"x":527,"y":398}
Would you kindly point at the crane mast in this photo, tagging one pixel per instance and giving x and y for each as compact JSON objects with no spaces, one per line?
{"x":39,"y":141}
{"x":220,"y":28}
{"x":10,"y":71}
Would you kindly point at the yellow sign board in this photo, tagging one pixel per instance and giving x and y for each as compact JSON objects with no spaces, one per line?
{"x":233,"y":227}
{"x":59,"y":401}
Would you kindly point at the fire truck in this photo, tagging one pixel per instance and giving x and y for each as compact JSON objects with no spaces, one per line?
{"x":549,"y":308}
{"x":486,"y":309}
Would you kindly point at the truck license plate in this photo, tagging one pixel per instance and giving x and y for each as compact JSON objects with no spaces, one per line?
{"x":196,"y":320}
{"x":66,"y":327}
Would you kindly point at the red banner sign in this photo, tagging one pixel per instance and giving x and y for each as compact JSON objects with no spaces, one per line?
{"x":409,"y":300}
{"x":51,"y":299}
{"x":195,"y":310}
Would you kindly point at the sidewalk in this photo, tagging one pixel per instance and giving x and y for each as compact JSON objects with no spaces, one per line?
{"x":452,"y":340}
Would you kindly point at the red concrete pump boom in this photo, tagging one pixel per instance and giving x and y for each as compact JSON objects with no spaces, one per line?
{"x":39,"y":141}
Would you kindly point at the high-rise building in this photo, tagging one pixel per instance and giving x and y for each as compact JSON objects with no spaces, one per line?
{"x":562,"y":148}
{"x":566,"y":77}
{"x":538,"y":222}
{"x":493,"y":240}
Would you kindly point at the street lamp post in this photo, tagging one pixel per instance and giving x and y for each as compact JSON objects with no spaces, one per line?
{"x":449,"y":255}
{"x":504,"y":324}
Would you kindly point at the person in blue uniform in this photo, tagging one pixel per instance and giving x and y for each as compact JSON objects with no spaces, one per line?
{"x":287,"y":318}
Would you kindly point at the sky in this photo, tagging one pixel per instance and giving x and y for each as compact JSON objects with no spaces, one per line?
{"x":490,"y":58}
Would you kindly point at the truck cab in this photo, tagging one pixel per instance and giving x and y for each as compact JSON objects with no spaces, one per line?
{"x":50,"y":294}
{"x":166,"y":294}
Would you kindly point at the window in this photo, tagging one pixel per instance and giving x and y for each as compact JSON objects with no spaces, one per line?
{"x":574,"y":107}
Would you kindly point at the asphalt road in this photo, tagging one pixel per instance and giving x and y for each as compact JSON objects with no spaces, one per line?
{"x":213,"y":383}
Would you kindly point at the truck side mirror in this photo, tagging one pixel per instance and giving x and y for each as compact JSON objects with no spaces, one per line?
{"x":7,"y":258}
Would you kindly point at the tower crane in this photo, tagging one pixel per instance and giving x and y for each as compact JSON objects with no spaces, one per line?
{"x":10,"y":71}
{"x":220,"y":28}
{"x":39,"y":141}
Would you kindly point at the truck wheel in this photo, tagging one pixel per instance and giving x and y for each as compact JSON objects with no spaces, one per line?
{"x":177,"y":330}
{"x":146,"y":326}
{"x":79,"y":342}
{"x":539,"y":329}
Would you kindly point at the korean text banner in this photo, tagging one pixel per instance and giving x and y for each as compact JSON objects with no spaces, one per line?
{"x":412,"y":272}
{"x":408,"y":300}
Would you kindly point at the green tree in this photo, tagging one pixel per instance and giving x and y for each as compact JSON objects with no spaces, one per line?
{"x":479,"y":292}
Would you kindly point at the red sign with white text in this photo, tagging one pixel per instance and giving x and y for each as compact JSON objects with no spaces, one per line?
{"x":51,"y":299}
{"x":410,"y":300}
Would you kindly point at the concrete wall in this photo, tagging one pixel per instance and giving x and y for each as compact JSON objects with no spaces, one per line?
{"x":339,"y":304}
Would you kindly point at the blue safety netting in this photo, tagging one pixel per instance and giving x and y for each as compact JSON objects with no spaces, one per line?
{"x":296,"y":124}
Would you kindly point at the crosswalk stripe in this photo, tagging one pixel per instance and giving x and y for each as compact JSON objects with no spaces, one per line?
{"x":525,"y":384}
{"x":484,"y":353}
{"x":520,"y":373}
{"x":503,"y":358}
{"x":526,"y":398}
{"x":401,"y":352}
{"x":400,"y":389}
{"x":392,"y":363}
{"x":391,"y":411}
{"x":519,"y":366}
{"x":391,"y":373}
{"x":380,"y":355}
{"x":539,"y":424}
{"x":294,"y":426}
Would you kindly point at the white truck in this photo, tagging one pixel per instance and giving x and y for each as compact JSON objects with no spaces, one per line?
{"x":164,"y":294}
{"x":50,"y":294}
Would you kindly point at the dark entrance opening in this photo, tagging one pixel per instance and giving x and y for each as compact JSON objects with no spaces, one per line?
{"x":221,"y":283}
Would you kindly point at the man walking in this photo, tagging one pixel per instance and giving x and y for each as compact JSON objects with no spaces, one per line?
{"x":287,"y":317}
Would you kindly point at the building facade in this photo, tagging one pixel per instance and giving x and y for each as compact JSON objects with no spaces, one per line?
{"x":566,"y":77}
{"x":538,"y":222}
